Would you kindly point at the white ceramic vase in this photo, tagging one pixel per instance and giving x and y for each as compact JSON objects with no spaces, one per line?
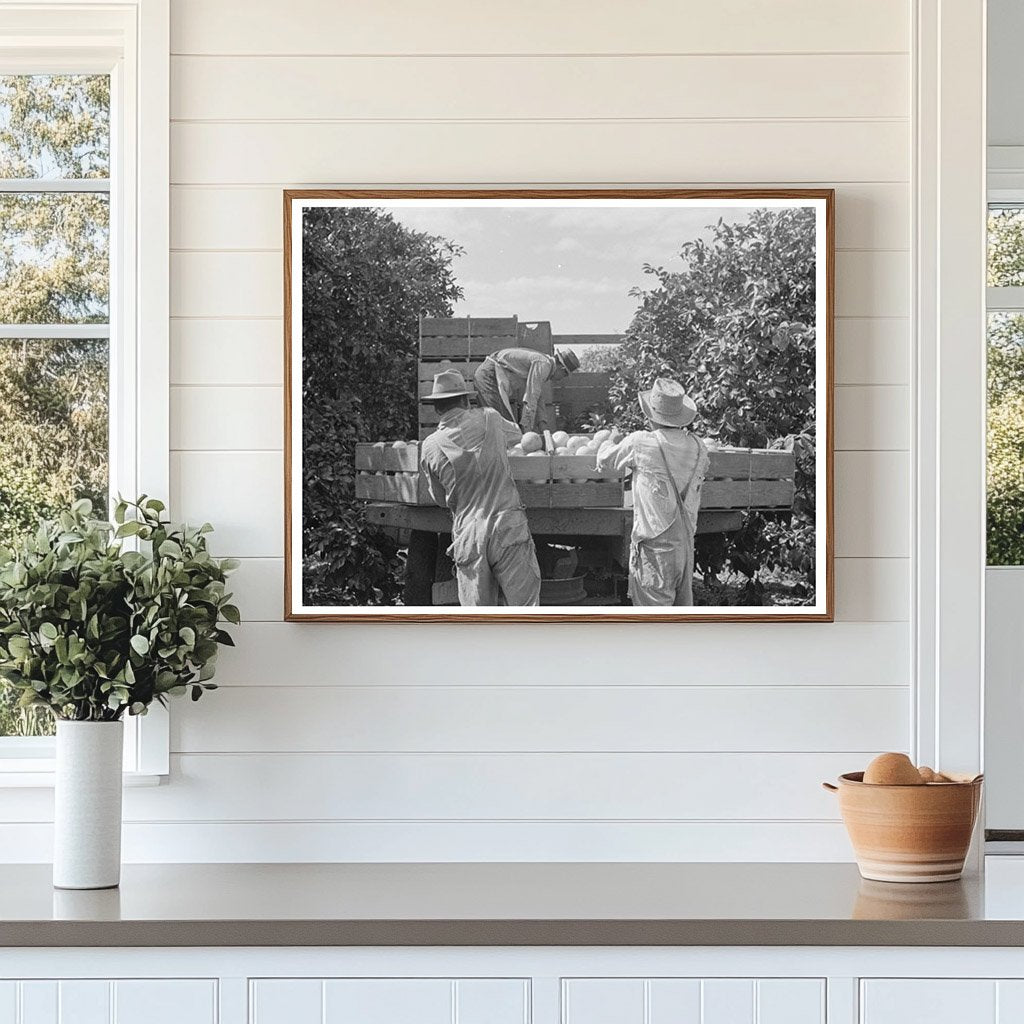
{"x":87,"y":805}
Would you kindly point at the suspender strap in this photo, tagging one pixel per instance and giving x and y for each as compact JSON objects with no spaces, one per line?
{"x":680,"y":495}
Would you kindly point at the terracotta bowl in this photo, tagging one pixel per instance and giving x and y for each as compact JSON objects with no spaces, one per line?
{"x":909,"y":833}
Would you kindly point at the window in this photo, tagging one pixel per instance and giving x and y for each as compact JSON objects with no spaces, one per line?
{"x":54,"y":308}
{"x":84,"y":125}
{"x":1005,"y":500}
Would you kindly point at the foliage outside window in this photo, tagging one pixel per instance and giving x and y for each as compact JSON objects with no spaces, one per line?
{"x":54,"y":308}
{"x":1005,"y":485}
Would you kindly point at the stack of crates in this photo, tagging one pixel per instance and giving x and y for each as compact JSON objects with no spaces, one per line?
{"x":462,"y":343}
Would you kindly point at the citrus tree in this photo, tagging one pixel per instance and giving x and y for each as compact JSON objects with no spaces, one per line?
{"x":366,"y":280}
{"x":1005,"y":478}
{"x":736,"y":326}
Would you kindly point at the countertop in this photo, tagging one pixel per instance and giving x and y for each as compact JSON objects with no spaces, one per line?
{"x":562,"y":904}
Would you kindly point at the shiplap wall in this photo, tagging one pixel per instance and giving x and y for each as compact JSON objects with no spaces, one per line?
{"x":690,"y":741}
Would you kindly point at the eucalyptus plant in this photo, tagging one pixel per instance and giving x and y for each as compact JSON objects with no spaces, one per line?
{"x":98,"y":619}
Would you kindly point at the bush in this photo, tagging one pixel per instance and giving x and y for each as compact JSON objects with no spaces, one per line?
{"x":737,"y":328}
{"x":366,"y":280}
{"x":1006,"y":482}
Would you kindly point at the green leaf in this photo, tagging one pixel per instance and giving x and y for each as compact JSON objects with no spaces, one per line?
{"x":140,"y":644}
{"x":48,"y":631}
{"x":231,"y":613}
{"x":170,"y":549}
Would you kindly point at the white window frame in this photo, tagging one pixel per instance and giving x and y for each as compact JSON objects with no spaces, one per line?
{"x":130,"y":41}
{"x":1003,"y":718}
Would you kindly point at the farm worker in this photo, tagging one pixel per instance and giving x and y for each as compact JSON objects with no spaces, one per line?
{"x":511,"y":381}
{"x":465,"y":463}
{"x":668,"y":464}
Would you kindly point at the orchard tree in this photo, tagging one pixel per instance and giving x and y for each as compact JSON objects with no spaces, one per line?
{"x":736,"y":326}
{"x":53,"y":270}
{"x":366,"y":280}
{"x":1005,"y":478}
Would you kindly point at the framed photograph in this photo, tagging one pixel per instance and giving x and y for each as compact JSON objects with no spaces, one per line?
{"x":558,"y":405}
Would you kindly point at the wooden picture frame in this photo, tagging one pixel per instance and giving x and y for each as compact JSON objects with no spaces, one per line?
{"x":396,"y":497}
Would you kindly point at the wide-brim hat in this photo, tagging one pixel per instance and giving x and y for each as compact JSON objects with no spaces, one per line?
{"x":568,"y":360}
{"x":668,"y":404}
{"x":447,"y":384}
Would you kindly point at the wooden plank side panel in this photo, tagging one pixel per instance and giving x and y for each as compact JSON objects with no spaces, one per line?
{"x":406,"y":87}
{"x":751,"y":463}
{"x":538,"y":27}
{"x":452,"y":348}
{"x":377,"y":715}
{"x":762,"y":494}
{"x":510,"y":786}
{"x":467,"y":327}
{"x":220,"y":215}
{"x":724,"y":152}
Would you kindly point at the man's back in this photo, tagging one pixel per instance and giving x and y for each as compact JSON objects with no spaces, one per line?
{"x":466,"y":466}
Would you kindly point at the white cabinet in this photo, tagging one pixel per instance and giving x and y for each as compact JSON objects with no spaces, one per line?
{"x":942,"y":1001}
{"x":693,"y":1001}
{"x":96,"y":1001}
{"x":388,"y":1001}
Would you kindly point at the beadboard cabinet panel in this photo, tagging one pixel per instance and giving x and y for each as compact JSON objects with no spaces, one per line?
{"x":102,"y":1001}
{"x":389,"y":1001}
{"x":693,"y":1001}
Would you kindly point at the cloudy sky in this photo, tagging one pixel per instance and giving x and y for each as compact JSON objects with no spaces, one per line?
{"x":573,"y":266}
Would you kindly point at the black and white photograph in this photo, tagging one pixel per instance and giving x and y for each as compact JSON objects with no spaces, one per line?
{"x":569,"y":405}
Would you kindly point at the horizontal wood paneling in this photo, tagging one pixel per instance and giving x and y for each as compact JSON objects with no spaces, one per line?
{"x":520,"y":87}
{"x":234,"y":284}
{"x":872,"y":418}
{"x":227,"y":352}
{"x":460,"y":787}
{"x":241,"y":492}
{"x":868,"y":216}
{"x":872,"y":504}
{"x":536,"y":26}
{"x":872,"y":589}
{"x":867,"y":589}
{"x":237,"y":418}
{"x":242,"y":418}
{"x":569,"y":151}
{"x":869,"y":350}
{"x":738,"y":92}
{"x":872,"y":350}
{"x":329,"y":841}
{"x":792,"y":654}
{"x":549,"y":718}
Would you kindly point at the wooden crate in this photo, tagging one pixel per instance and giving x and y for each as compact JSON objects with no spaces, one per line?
{"x":749,"y":479}
{"x":738,"y":479}
{"x":462,"y":343}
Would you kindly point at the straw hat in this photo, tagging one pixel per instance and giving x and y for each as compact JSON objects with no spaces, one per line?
{"x":568,"y":360}
{"x":447,"y":384}
{"x":668,"y":404}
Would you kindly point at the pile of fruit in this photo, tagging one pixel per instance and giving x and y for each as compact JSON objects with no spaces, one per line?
{"x":567,"y":444}
{"x":899,"y":770}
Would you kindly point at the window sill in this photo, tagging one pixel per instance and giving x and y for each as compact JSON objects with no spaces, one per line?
{"x":39,"y":774}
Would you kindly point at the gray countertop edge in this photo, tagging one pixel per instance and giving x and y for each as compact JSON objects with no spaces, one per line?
{"x":511,"y":933}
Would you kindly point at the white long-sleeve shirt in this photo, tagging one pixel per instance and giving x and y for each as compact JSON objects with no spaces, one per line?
{"x":654,"y":499}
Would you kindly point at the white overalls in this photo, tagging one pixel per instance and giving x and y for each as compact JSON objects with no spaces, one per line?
{"x":466,"y":468}
{"x":661,"y":552}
